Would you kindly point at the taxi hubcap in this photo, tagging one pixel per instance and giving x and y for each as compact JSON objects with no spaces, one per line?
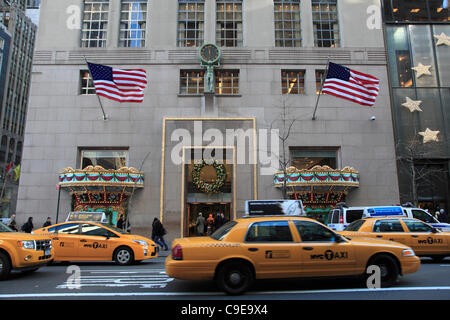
{"x":235,"y":278}
{"x":123,"y":256}
{"x":1,"y":266}
{"x":384,"y":270}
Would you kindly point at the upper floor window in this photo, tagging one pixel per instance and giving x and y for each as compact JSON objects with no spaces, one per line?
{"x":293,"y":81}
{"x":95,"y":23}
{"x":325,"y":23}
{"x":86,"y":83}
{"x":320,"y":78}
{"x":192,"y":81}
{"x":229,"y":23}
{"x":133,"y":21}
{"x":191,"y":17}
{"x":227,"y":82}
{"x":108,"y":158}
{"x":287,"y":23}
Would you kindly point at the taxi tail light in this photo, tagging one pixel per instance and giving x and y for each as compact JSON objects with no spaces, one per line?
{"x":177,"y":252}
{"x":341,"y":218}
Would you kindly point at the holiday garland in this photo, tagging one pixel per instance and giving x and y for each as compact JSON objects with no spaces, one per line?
{"x":214,"y":187}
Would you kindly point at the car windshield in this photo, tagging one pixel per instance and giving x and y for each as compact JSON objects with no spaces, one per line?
{"x":4,"y":228}
{"x":355,"y":225}
{"x":220,"y":233}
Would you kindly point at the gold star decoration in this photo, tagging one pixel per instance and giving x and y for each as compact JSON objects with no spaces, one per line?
{"x":421,"y":70}
{"x":429,"y":135}
{"x":412,"y":105}
{"x":442,"y":39}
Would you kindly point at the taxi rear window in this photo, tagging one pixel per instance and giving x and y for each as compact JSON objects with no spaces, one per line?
{"x":355,"y":225}
{"x":220,"y":233}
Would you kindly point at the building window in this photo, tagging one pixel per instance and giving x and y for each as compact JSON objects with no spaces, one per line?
{"x":325,"y":22}
{"x":86,"y":83}
{"x":191,"y":81}
{"x":190,"y":23}
{"x":95,"y":23}
{"x":229,"y":23}
{"x":287,"y":23}
{"x":413,"y":11}
{"x":133,"y":21}
{"x":293,"y":81}
{"x":227,"y":82}
{"x":309,"y":157}
{"x":320,"y":78}
{"x":108,"y":158}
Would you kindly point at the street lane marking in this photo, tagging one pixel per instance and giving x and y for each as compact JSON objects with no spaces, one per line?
{"x":144,"y":294}
{"x":145,"y":279}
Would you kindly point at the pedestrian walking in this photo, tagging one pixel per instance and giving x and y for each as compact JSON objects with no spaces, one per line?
{"x":120,"y":222}
{"x":47,"y":223}
{"x":442,"y":216}
{"x":218,"y":221}
{"x":210,"y":224}
{"x":28,"y":226}
{"x":200,"y":224}
{"x":13,"y":224}
{"x":224,"y":219}
{"x":158,"y":233}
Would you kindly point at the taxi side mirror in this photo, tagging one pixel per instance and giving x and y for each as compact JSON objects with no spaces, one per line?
{"x":434,"y":230}
{"x":338,"y":238}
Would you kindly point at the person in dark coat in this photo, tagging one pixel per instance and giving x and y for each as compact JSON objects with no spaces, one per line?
{"x":120,"y":222}
{"x":12,"y":223}
{"x":47,"y":223}
{"x":218,"y":221}
{"x":158,"y":233}
{"x":200,"y":225}
{"x":28,"y":226}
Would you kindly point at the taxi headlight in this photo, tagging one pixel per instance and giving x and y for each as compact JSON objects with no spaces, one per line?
{"x":141,"y":242}
{"x":408,"y":253}
{"x":26,"y":244}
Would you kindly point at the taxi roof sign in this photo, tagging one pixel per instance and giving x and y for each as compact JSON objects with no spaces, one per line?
{"x":97,"y":216}
{"x":274,"y":208}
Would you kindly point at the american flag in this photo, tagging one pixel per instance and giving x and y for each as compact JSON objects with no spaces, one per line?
{"x":117,"y":84}
{"x":352,"y":85}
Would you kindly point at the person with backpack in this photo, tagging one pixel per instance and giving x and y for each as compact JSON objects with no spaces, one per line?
{"x":28,"y":226}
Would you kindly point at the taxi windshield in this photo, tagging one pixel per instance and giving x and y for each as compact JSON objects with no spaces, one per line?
{"x":4,"y":228}
{"x":220,"y":233}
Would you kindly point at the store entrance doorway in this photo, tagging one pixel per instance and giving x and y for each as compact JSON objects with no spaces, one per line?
{"x":206,"y":209}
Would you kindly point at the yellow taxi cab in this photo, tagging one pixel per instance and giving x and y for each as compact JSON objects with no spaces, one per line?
{"x":89,"y":241}
{"x":22,"y":251}
{"x":252,"y":248}
{"x":425,"y":240}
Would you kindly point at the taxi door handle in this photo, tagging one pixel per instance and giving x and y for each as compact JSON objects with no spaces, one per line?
{"x":82,"y":240}
{"x":379,"y":236}
{"x":252,"y":249}
{"x":55,"y":238}
{"x":414,"y":236}
{"x":308,"y":248}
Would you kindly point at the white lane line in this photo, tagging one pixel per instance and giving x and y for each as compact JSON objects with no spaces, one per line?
{"x":445,"y":265}
{"x":144,"y":294}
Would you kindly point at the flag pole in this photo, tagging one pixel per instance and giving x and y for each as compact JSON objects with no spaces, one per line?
{"x":105,"y":117}
{"x":321,"y":87}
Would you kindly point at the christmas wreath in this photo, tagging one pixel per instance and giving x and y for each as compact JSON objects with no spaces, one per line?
{"x":214,"y":187}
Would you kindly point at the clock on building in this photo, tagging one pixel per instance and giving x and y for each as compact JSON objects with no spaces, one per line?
{"x":210,"y":53}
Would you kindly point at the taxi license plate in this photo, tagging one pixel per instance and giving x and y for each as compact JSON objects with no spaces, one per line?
{"x":47,"y":252}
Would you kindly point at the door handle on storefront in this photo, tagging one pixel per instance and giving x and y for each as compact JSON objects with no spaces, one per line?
{"x":308,"y":248}
{"x":252,"y":249}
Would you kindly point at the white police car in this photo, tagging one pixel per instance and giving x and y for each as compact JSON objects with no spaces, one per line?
{"x":342,"y":215}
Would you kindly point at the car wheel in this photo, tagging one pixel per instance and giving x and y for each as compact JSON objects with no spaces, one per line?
{"x":234,"y":278}
{"x":389,"y":269}
{"x":124,"y":256}
{"x":5,"y":266}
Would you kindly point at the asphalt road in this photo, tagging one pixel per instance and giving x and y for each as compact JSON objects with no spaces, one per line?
{"x":147,"y":280}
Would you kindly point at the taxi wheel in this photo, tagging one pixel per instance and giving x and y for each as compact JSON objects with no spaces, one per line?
{"x":388,"y":268}
{"x":124,"y":256}
{"x":234,"y":277}
{"x":5,"y":266}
